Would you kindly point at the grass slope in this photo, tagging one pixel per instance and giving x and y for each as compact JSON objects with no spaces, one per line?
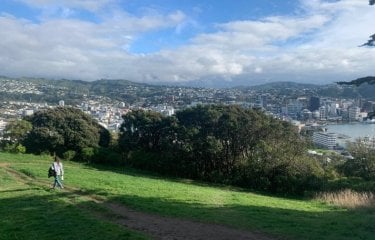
{"x":289,"y":218}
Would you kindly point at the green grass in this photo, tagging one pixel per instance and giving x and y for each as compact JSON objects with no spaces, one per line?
{"x":31,"y":212}
{"x":289,"y":218}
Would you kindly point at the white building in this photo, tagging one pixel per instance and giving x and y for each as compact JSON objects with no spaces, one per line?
{"x":61,"y":103}
{"x":322,"y":113}
{"x":27,"y":112}
{"x":354,"y":113}
{"x":324,"y":139}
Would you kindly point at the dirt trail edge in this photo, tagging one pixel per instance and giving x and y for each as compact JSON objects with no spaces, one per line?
{"x":157,"y":227}
{"x":174,"y":228}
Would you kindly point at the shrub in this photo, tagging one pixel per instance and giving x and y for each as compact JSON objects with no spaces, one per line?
{"x":106,"y":156}
{"x":14,"y":148}
{"x":87,"y":154}
{"x":69,"y":155}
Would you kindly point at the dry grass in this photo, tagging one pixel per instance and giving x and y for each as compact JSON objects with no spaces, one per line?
{"x":348,"y":198}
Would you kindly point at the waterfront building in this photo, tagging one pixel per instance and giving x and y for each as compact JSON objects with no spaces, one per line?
{"x":353,"y":113}
{"x":323,"y":113}
{"x":324,"y":139}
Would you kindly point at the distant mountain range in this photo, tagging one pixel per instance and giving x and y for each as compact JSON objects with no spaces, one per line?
{"x":124,"y":90}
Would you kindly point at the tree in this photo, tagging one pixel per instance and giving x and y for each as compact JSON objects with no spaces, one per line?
{"x":217,"y":143}
{"x":363,"y":164}
{"x":14,"y":133}
{"x":17,"y":130}
{"x":62,"y":129}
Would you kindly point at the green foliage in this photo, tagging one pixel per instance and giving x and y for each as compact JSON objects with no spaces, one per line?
{"x":14,"y":148}
{"x":106,"y":156}
{"x":87,"y":154}
{"x":69,"y":155}
{"x":354,"y":183}
{"x":225,"y":144}
{"x":17,"y":130}
{"x":363,"y":164}
{"x":62,"y":129}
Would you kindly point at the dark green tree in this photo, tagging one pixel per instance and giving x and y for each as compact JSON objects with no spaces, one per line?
{"x":226,"y":144}
{"x":363,"y":164}
{"x":62,"y":129}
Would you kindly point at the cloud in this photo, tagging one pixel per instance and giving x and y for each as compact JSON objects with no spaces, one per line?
{"x":90,"y":5}
{"x":318,"y":43}
{"x":73,"y":48}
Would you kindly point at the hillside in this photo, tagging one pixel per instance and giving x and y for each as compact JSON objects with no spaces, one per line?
{"x":76,"y":91}
{"x":85,"y":209}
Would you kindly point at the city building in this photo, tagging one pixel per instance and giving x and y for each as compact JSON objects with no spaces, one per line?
{"x":353,"y":113}
{"x":324,"y":139}
{"x":322,"y":113}
{"x":314,"y":104}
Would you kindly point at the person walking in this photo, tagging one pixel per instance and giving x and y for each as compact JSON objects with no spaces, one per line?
{"x":59,"y":172}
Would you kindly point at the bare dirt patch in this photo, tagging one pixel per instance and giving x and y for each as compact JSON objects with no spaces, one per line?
{"x":166,"y":228}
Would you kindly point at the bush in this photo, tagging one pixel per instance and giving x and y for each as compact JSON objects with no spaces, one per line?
{"x":87,"y":154}
{"x":107,"y":156}
{"x":69,"y":155}
{"x":14,"y":148}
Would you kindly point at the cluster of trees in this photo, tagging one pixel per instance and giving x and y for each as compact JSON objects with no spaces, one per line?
{"x":65,"y":131}
{"x":216,"y":143}
{"x":363,"y":163}
{"x":225,"y":144}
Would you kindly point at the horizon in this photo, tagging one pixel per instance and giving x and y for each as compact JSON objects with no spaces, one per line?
{"x":168,"y":84}
{"x":215,"y":44}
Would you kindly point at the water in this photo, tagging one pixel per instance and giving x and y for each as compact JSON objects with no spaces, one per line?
{"x":353,"y":131}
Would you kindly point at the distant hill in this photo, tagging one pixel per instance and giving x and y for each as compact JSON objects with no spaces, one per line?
{"x":74,"y":91}
{"x":284,"y":85}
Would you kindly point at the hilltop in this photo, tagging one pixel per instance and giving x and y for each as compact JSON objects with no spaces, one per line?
{"x":83,"y":210}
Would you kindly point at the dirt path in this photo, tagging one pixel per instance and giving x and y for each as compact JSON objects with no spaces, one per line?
{"x":157,"y":227}
{"x":173,"y":228}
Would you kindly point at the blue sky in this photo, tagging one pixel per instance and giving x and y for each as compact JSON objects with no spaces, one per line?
{"x":184,"y":40}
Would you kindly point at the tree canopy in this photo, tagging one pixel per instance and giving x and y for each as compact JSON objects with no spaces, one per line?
{"x":17,"y":130}
{"x":62,"y":129}
{"x":217,"y":143}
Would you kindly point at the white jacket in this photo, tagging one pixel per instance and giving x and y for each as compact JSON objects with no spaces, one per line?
{"x":58,"y":167}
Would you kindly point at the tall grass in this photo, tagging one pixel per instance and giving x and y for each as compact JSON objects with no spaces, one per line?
{"x":348,"y":198}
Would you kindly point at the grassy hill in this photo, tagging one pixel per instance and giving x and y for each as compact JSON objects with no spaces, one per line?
{"x":30,"y":210}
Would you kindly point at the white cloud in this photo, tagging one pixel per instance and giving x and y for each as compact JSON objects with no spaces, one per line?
{"x":317,"y":45}
{"x":90,"y":5}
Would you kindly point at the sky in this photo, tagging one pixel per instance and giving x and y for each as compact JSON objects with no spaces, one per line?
{"x":240,"y":42}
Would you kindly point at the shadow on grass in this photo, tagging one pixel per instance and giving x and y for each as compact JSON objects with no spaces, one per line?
{"x":49,"y":215}
{"x":331,"y":224}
